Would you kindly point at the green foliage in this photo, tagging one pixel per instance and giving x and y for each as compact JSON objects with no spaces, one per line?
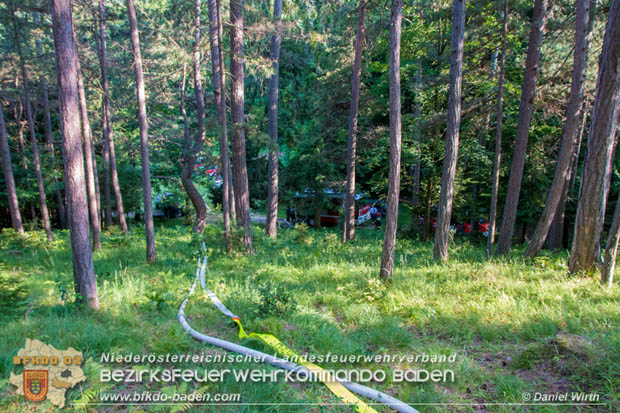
{"x":275,"y":300}
{"x":13,"y":293}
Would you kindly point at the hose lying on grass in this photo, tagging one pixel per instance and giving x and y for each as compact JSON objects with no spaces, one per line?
{"x":266,"y":358}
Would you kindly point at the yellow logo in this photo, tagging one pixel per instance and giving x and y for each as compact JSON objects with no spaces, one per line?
{"x":48,"y":372}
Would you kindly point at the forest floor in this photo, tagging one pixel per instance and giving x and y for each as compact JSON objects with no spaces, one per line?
{"x":517,"y":328}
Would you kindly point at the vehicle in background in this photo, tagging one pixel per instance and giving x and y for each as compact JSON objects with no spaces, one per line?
{"x":331,"y":208}
{"x":166,"y":205}
{"x":214,"y":173}
{"x":463,"y":228}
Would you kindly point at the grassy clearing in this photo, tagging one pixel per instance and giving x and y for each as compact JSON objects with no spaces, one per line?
{"x":501,"y":317}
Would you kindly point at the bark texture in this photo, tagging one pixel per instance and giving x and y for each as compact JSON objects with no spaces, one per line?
{"x":526,"y":108}
{"x":497,"y":159}
{"x":446,"y":194}
{"x":271,"y":226}
{"x":586,"y":250}
{"x":561,"y":177}
{"x":193,"y":149}
{"x":93,"y":209}
{"x":66,"y":64}
{"x":240,"y":169}
{"x":217,"y":65}
{"x":391,"y":222}
{"x":231,"y":186}
{"x":7,"y":169}
{"x":147,"y":197}
{"x":348,"y":232}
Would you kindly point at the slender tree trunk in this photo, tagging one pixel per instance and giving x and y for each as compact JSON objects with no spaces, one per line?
{"x":271,"y":226}
{"x":611,"y":251}
{"x":147,"y":197}
{"x":33,"y":136}
{"x":586,"y":250}
{"x":348,"y":232}
{"x":7,"y":168}
{"x":97,"y":193}
{"x":106,"y":207}
{"x":66,"y":63}
{"x":446,"y":195}
{"x":497,"y":159}
{"x":186,"y":139}
{"x":526,"y":108}
{"x":93,"y":209}
{"x":231,"y":189}
{"x":107,"y":193}
{"x":391,"y":222}
{"x":237,"y":114}
{"x":47,"y":122}
{"x":561,"y":178}
{"x":19,"y":112}
{"x":428,"y":225}
{"x":109,"y":139}
{"x":195,"y":148}
{"x":186,"y":136}
{"x":417,"y":166}
{"x":232,"y":199}
{"x":555,"y":239}
{"x":217,"y":64}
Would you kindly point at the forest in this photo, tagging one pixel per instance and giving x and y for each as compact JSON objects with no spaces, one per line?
{"x":427,"y":182}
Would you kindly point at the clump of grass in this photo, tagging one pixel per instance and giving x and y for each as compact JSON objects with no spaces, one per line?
{"x":275,"y":300}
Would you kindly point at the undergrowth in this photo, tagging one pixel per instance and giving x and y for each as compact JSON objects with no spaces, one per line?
{"x":501,"y":317}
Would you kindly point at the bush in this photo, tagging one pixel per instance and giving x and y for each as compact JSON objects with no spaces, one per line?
{"x":275,"y":300}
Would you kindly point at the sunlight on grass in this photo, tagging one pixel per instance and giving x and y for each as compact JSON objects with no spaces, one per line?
{"x":486,"y":312}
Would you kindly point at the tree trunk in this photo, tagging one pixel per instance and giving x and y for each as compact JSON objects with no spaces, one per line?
{"x":217,"y":65}
{"x":497,"y":159}
{"x":561,"y":178}
{"x":611,"y":251}
{"x":93,"y":209}
{"x":194,"y":149}
{"x":66,"y":63}
{"x":33,"y":136}
{"x":556,"y":237}
{"x":47,"y":123}
{"x":586,"y":251}
{"x":186,"y":136}
{"x":106,"y":168}
{"x":7,"y":168}
{"x":271,"y":226}
{"x":348,"y":232}
{"x":97,"y":193}
{"x":428,"y":225}
{"x":186,"y":139}
{"x":147,"y":197}
{"x":237,"y":114}
{"x":232,"y":199}
{"x":19,"y":111}
{"x":231,"y":188}
{"x":417,"y":166}
{"x":109,"y":139}
{"x":446,"y":195}
{"x":391,"y":221}
{"x":526,"y":108}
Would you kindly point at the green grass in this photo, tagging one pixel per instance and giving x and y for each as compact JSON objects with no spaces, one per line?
{"x":500,"y":316}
